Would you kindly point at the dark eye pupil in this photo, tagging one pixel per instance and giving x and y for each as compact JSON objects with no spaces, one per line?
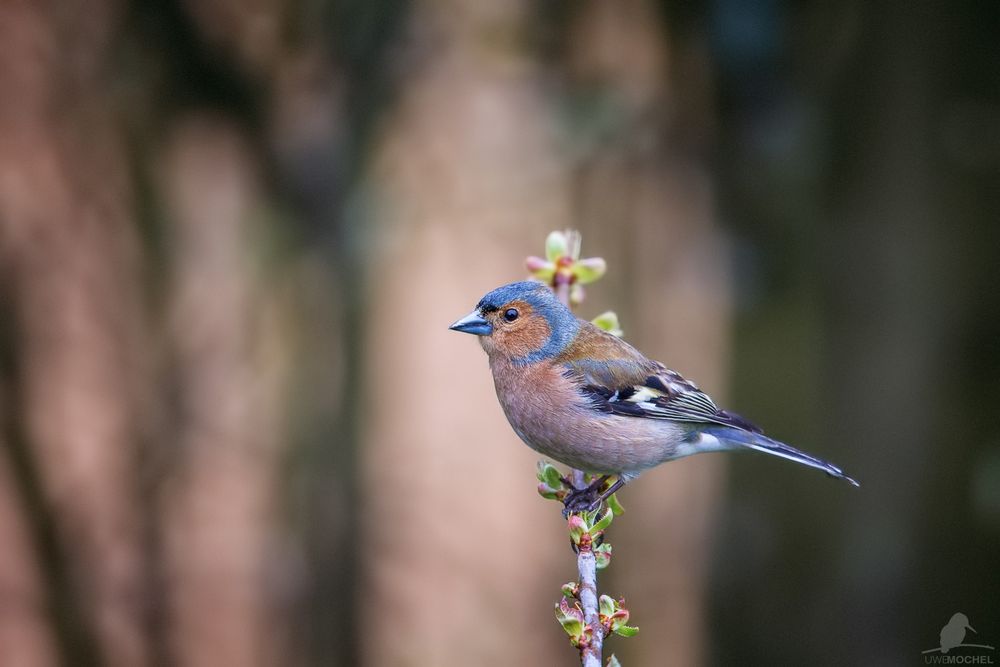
{"x":510,"y":314}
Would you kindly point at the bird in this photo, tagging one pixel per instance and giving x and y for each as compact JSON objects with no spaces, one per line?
{"x":592,"y":401}
{"x":953,"y":634}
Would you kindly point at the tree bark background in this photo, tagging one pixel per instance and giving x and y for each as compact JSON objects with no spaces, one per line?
{"x":219,"y":504}
{"x":73,"y":266}
{"x":859,"y":187}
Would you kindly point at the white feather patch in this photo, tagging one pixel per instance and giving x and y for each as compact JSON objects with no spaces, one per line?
{"x":704,"y":443}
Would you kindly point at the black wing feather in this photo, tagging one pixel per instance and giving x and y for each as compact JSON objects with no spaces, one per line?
{"x":666,"y":395}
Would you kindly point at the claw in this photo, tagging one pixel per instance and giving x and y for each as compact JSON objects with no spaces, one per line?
{"x":589,"y":498}
{"x":585,"y":499}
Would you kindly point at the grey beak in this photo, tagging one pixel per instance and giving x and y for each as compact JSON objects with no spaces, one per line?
{"x":473,"y":323}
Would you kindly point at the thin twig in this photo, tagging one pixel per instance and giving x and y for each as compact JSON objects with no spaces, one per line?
{"x":586,"y":564}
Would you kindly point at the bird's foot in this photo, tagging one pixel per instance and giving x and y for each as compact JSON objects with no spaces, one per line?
{"x":579,"y":501}
{"x":590,"y":498}
{"x":586,"y":499}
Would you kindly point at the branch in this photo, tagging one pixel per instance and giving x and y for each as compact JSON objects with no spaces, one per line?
{"x":586,"y":565}
{"x":585,"y":615}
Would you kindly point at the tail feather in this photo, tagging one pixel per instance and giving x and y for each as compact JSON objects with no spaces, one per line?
{"x":762,"y":443}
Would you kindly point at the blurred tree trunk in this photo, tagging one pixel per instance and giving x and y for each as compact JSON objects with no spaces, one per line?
{"x":218,"y":504}
{"x":464,"y":560}
{"x":72,"y":254}
{"x":644,"y":200}
{"x":26,"y":637}
{"x":889,"y":313}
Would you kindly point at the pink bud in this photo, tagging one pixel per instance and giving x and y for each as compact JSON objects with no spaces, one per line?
{"x":577,"y":528}
{"x":540,"y":269}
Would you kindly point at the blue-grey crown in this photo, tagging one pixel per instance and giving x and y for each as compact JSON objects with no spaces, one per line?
{"x":523,"y":290}
{"x":560,"y":319}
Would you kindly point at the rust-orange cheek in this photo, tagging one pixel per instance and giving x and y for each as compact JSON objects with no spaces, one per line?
{"x":523,"y":337}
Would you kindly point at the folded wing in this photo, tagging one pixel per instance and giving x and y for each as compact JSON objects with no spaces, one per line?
{"x":617,"y":378}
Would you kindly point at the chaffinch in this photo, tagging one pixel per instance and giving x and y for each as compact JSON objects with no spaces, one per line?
{"x":592,"y":401}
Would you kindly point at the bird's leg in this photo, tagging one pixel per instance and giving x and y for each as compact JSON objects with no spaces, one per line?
{"x":586,"y":499}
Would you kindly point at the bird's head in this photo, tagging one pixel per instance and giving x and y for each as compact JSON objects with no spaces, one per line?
{"x":523,"y":322}
{"x":960,"y":621}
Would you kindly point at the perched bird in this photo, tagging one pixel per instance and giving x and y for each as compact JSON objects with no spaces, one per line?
{"x":953,"y":634}
{"x":592,"y":401}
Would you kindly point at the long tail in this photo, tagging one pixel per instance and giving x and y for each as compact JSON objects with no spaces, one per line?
{"x":738,"y":438}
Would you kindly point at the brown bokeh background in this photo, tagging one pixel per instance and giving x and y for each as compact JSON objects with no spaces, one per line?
{"x":235,"y":428}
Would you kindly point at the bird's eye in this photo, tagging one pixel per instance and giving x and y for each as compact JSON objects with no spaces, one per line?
{"x":510,"y":314}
